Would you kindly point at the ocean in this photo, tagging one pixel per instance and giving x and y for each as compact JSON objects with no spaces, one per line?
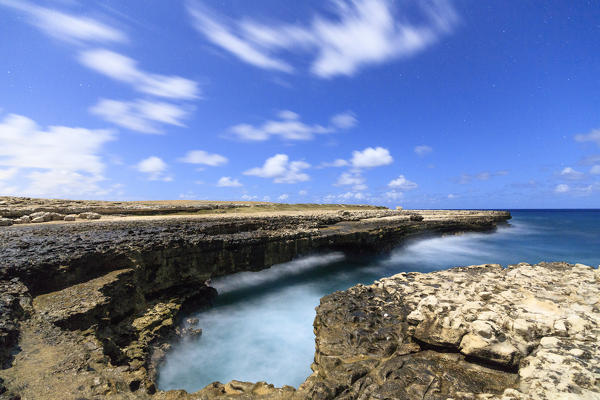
{"x":260,"y":328}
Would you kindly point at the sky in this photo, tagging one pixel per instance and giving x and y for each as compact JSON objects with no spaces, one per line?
{"x":423,"y":104}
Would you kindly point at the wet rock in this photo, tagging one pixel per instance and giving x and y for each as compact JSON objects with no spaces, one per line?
{"x":108,"y":296}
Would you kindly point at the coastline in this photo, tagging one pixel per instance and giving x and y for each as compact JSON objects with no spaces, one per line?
{"x":112,"y":290}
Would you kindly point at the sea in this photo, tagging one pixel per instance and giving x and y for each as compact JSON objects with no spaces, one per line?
{"x":260,"y":328}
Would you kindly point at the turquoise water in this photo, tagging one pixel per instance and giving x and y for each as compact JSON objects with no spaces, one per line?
{"x":261,"y":325}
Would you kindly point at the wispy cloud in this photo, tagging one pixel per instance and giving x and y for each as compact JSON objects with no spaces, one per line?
{"x":402,"y":183}
{"x":393,"y":195}
{"x":289,"y":127}
{"x":227,"y":181}
{"x":593,"y":136}
{"x":358,"y":33}
{"x":590,"y":160}
{"x":346,"y":197}
{"x":481,"y":176}
{"x":125,"y":69}
{"x":204,"y":158}
{"x":217,"y":30}
{"x":352,"y":178}
{"x":140,"y":115}
{"x":572,"y":174}
{"x":281,"y":170}
{"x":344,"y":120}
{"x":335,"y":163}
{"x":423,"y":150}
{"x":155,"y":169}
{"x":57,"y":161}
{"x":67,"y":27}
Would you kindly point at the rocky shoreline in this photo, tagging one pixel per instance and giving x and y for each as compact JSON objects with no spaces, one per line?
{"x":88,"y":307}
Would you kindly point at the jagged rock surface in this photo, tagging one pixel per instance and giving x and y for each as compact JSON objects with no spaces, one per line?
{"x":108,"y":294}
{"x":524,"y":332}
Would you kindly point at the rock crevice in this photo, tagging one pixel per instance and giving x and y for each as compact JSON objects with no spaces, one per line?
{"x":93,"y":304}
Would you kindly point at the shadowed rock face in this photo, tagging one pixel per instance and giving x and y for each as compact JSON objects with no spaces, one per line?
{"x":107,"y":294}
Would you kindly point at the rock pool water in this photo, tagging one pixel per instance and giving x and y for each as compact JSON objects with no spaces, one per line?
{"x":261,"y":325}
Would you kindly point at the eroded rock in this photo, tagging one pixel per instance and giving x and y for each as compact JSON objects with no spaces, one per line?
{"x":89,"y":215}
{"x":532,"y":335}
{"x":6,"y":222}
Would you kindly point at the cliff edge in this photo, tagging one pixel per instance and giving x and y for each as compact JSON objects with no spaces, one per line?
{"x":90,"y":305}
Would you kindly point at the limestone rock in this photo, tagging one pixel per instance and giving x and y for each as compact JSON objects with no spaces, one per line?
{"x":25,"y":219}
{"x":89,"y":215}
{"x":44,"y":216}
{"x":108,"y":296}
{"x":70,"y":217}
{"x":6,"y":222}
{"x":533,"y":334}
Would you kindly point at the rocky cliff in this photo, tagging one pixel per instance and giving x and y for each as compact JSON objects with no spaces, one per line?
{"x":89,"y":306}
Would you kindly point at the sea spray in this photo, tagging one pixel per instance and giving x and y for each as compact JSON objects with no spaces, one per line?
{"x":261,"y":327}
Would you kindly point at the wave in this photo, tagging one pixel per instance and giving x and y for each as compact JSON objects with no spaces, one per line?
{"x":245,"y":280}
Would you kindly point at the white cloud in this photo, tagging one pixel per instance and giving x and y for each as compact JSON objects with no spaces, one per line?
{"x":248,"y":197}
{"x":6,"y":174}
{"x":345,"y":120}
{"x":344,"y":197}
{"x":590,"y":160}
{"x":570,"y":173}
{"x":357,"y":34}
{"x":402,"y":183}
{"x":481,"y":176}
{"x":227,"y":181}
{"x":64,"y":26}
{"x":125,"y":69}
{"x":155,"y":168}
{"x":287,"y":114}
{"x":351,"y":178}
{"x":140,"y":115}
{"x":336,"y":163}
{"x":593,"y":136}
{"x":595,"y":170}
{"x":393,"y":195}
{"x":202,"y":157}
{"x":283,"y":197}
{"x":562,"y":188}
{"x":57,"y":161}
{"x":371,"y":157}
{"x":218,"y":33}
{"x":423,"y":150}
{"x":289,"y":127}
{"x":303,"y":192}
{"x":452,"y":196}
{"x":281,"y":170}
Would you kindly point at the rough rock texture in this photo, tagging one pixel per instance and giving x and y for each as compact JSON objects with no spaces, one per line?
{"x":108,"y":294}
{"x":524,"y":332}
{"x":192,"y":249}
{"x":14,"y":207}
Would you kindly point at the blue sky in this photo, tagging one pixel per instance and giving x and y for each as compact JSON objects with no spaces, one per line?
{"x":432,"y":104}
